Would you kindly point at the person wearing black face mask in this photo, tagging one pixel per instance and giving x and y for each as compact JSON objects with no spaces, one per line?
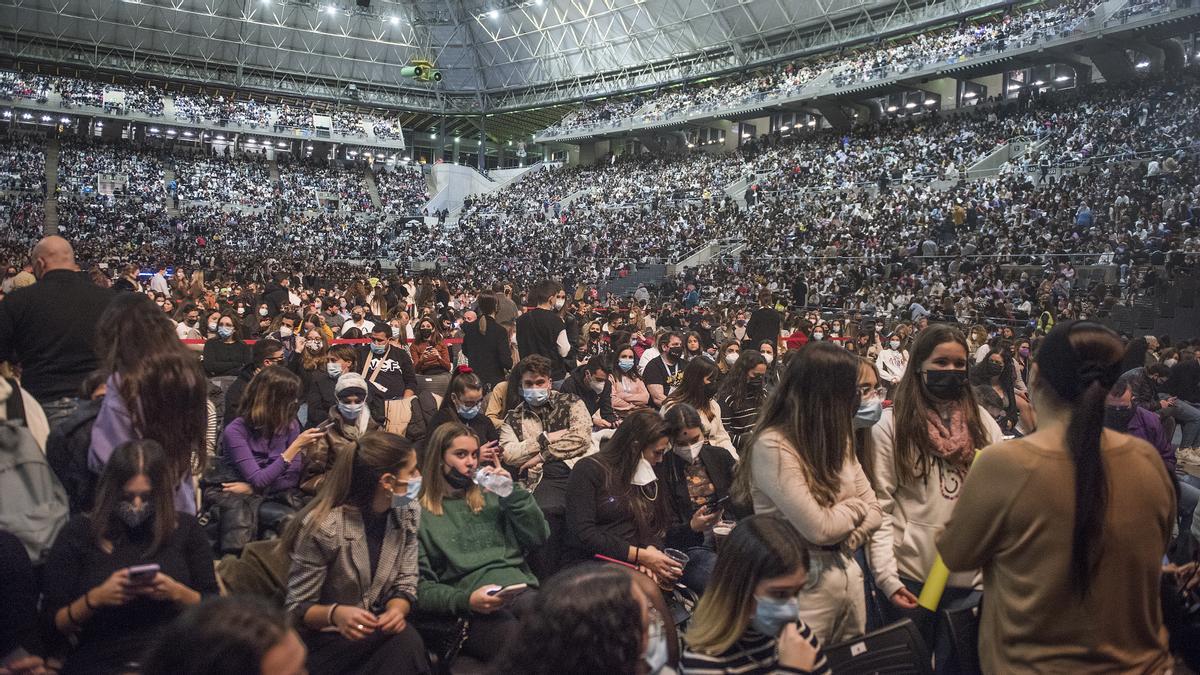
{"x":1122,"y":414}
{"x":664,"y":372}
{"x":742,"y":392}
{"x":921,"y":450}
{"x":698,"y":388}
{"x":993,"y":382}
{"x":92,"y":589}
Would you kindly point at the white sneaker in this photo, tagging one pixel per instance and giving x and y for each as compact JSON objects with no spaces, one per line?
{"x":1189,"y":456}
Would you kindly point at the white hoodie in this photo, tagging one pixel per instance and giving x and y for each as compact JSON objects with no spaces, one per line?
{"x":914,"y":515}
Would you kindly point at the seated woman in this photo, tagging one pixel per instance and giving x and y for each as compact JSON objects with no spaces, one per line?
{"x":120,"y":574}
{"x":322,"y":396}
{"x":743,"y":391}
{"x":462,"y":575}
{"x":351,"y":601}
{"x":463,"y":404}
{"x":346,"y":422}
{"x":749,"y":620}
{"x":263,"y":447}
{"x":225,"y":353}
{"x":696,"y":478}
{"x":629,"y":392}
{"x":699,"y":390}
{"x":431,"y":359}
{"x":613,"y":505}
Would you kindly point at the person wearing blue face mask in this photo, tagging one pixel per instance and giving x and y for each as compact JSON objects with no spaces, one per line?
{"x":749,"y":620}
{"x":225,"y":353}
{"x":464,"y":576}
{"x":629,"y":392}
{"x":345,"y":422}
{"x":464,"y":404}
{"x":321,"y":395}
{"x":543,"y":433}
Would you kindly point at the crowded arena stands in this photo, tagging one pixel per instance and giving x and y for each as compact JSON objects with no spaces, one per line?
{"x":901,"y":380}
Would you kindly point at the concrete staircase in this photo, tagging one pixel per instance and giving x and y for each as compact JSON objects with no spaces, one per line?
{"x":650,"y":275}
{"x":372,"y":188}
{"x":172,"y":201}
{"x":50,"y":224}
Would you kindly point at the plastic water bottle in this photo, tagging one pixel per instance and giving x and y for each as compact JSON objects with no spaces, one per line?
{"x":497,"y":483}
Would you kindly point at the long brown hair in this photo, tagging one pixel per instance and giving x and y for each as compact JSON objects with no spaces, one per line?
{"x":269,"y":405}
{"x":692,"y":389}
{"x":129,"y":460}
{"x":351,"y":482}
{"x":167,"y":398}
{"x":864,"y":442}
{"x":434,"y":487}
{"x":620,"y":458}
{"x":812,"y":408}
{"x":912,"y":405}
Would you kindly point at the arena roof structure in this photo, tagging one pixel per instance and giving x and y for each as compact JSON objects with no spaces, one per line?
{"x":494,"y":55}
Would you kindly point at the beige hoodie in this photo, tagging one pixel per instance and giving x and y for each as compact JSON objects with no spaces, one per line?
{"x":914,"y":515}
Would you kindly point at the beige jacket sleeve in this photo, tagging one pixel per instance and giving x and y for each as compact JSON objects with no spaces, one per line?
{"x":715,"y":429}
{"x":777,"y":473}
{"x":880,"y":551}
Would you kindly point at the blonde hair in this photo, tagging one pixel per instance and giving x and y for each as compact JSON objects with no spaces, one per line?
{"x":434,"y":487}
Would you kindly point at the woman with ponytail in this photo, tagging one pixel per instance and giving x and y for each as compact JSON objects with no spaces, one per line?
{"x":1069,"y":525}
{"x":353,"y":551}
{"x":464,"y":404}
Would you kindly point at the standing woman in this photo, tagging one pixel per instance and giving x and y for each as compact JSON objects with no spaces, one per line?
{"x":922,"y":448}
{"x":748,"y":620}
{"x":774,"y":365}
{"x":1070,"y":525}
{"x":743,"y":391}
{"x":157,"y":391}
{"x":431,"y":359}
{"x":460,"y":574}
{"x":352,"y":600}
{"x":485,"y":344}
{"x":629,"y":392}
{"x":801,"y":464}
{"x":994,"y":383}
{"x":90,"y":593}
{"x":698,"y":389}
{"x":313,"y":357}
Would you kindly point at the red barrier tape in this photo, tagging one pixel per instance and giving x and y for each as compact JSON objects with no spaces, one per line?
{"x":339,"y":341}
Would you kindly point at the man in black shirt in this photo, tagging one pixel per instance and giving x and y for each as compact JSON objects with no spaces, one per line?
{"x":591,"y":384}
{"x":49,"y":328}
{"x":764,"y":324}
{"x":665,"y":371}
{"x":541,"y":331}
{"x":387,"y":368}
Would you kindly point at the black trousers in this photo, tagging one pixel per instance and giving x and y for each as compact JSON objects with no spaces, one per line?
{"x":379,"y":652}
{"x":489,"y":634}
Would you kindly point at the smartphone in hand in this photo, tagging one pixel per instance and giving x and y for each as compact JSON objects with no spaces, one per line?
{"x":143,"y":575}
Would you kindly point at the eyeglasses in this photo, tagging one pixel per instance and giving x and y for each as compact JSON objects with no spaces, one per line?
{"x":868,"y":393}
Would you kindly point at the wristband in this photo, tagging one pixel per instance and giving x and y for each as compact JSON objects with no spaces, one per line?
{"x":87,"y":601}
{"x":329,"y":617}
{"x":637,"y":553}
{"x":70,"y":616}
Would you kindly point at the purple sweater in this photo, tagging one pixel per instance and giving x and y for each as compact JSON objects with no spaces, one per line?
{"x":260,"y":458}
{"x":1146,"y":426}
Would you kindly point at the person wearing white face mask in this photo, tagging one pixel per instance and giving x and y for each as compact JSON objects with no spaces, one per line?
{"x":748,"y":621}
{"x":542,"y":331}
{"x":695,"y":478}
{"x":615,"y":502}
{"x":345,"y":422}
{"x":891,"y":362}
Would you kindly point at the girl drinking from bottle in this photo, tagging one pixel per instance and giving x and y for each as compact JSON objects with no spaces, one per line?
{"x":474,"y":542}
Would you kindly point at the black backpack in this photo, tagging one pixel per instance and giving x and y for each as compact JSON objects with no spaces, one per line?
{"x":67,"y":452}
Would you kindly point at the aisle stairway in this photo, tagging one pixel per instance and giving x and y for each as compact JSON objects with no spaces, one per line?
{"x":50,"y":224}
{"x":373,"y":188}
{"x":172,"y":202}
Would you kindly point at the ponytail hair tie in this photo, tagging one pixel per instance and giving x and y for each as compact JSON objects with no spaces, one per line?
{"x":463,"y":370}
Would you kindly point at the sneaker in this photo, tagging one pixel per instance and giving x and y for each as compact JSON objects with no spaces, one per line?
{"x":1190,"y":456}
